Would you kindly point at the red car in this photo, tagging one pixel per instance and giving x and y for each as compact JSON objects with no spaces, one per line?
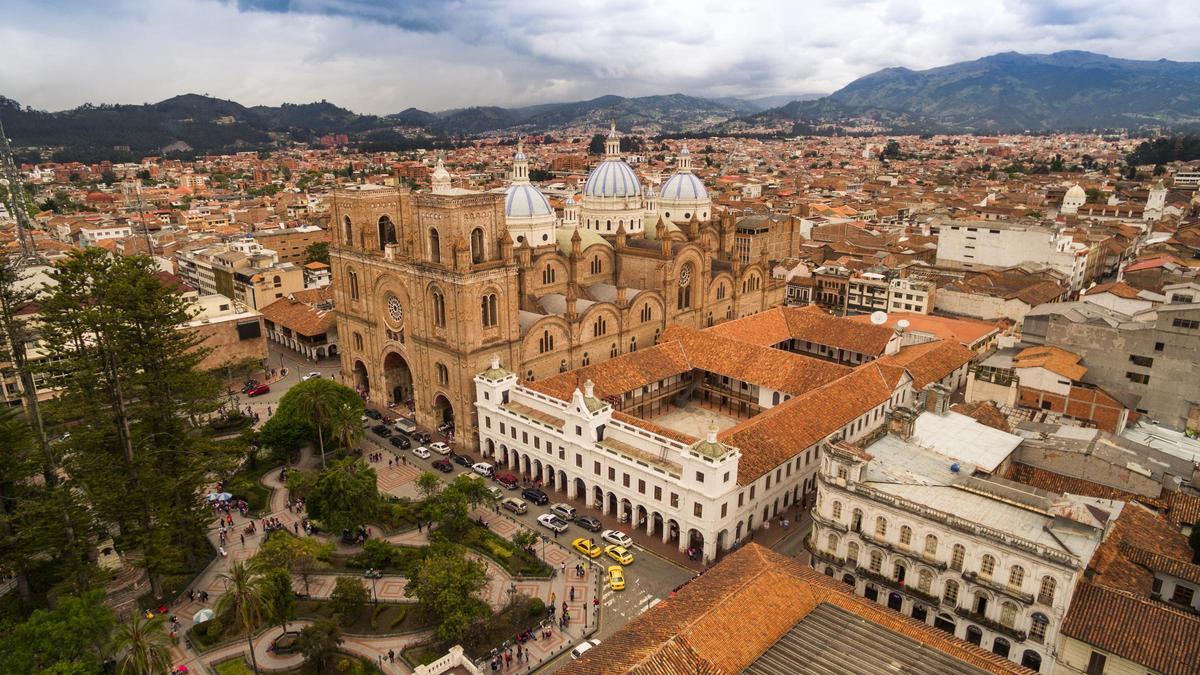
{"x":259,"y":390}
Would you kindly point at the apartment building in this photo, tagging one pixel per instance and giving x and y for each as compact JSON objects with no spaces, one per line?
{"x":975,"y":245}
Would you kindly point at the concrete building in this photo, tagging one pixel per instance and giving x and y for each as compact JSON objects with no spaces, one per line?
{"x":977,"y":245}
{"x":911,"y":295}
{"x":305,"y":322}
{"x":232,"y":332}
{"x":257,"y":287}
{"x":290,"y":243}
{"x":210,"y":268}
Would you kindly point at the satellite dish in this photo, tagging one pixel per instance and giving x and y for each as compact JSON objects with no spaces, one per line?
{"x":878,"y":318}
{"x":902,"y":324}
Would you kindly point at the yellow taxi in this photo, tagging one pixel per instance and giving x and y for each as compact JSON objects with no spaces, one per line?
{"x":586,"y":547}
{"x":619,"y":553}
{"x":616,"y":578}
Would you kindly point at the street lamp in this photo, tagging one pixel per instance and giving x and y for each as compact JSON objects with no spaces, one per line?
{"x":374,"y":597}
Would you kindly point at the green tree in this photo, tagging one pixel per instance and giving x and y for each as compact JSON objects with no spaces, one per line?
{"x":345,"y":424}
{"x":320,"y":641}
{"x":524,"y":539}
{"x":108,"y":176}
{"x":243,"y":602}
{"x":314,"y":403}
{"x":348,"y":598}
{"x":72,"y":637}
{"x":1056,"y":164}
{"x":428,"y":485}
{"x":318,"y":251}
{"x":298,"y":555}
{"x":134,"y":397}
{"x":447,"y":584}
{"x":345,"y":495}
{"x":279,"y":599}
{"x":143,"y":646}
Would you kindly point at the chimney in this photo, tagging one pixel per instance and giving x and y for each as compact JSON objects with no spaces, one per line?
{"x":901,"y":423}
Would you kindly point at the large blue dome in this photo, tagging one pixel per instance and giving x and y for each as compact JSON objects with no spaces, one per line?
{"x":612,"y":178}
{"x":684,"y":186}
{"x":523,"y":200}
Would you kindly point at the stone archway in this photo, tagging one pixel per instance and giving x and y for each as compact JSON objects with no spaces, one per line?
{"x":504,"y":457}
{"x":656,"y":524}
{"x":626,"y":512}
{"x":397,"y":378}
{"x":597,"y":498}
{"x":612,"y":502}
{"x":562,"y":483}
{"x":537,"y":470}
{"x":443,"y":411}
{"x":489,"y":449}
{"x":581,"y":489}
{"x":640,"y":517}
{"x":362,"y":380}
{"x":672,"y":530}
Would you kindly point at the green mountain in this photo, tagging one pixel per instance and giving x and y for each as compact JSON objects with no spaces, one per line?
{"x":1012,"y":92}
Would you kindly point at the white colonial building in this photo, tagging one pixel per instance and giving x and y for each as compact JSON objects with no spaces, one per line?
{"x":916,"y":522}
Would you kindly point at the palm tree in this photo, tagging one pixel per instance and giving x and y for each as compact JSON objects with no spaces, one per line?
{"x":143,"y":646}
{"x":243,"y":599}
{"x":346,"y":424}
{"x":314,"y":401}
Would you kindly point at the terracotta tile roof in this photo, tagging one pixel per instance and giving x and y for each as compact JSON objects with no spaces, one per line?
{"x":1146,"y":632}
{"x":1117,"y":288}
{"x":809,"y":323}
{"x":617,"y":376}
{"x":1054,"y":359}
{"x":1057,"y":482}
{"x":966,"y":331}
{"x":725,"y":619}
{"x":1137,"y":527}
{"x":1152,"y":560}
{"x":930,"y":361}
{"x":986,"y":413}
{"x":1182,"y":508}
{"x":300,"y":312}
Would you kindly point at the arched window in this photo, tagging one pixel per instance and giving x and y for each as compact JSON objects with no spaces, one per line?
{"x":443,"y":374}
{"x":1046,"y":590}
{"x":1037,"y":627}
{"x":529,"y":375}
{"x":906,"y":536}
{"x":546,"y":342}
{"x":435,"y":245}
{"x":353,"y":276}
{"x":439,"y":308}
{"x":852,"y":554}
{"x":477,"y":252}
{"x":586,"y":359}
{"x":347,"y":232}
{"x":612,"y":351}
{"x":277,"y":281}
{"x":597,"y":265}
{"x":925,"y":581}
{"x":881,"y":526}
{"x":856,"y":520}
{"x":647,"y":313}
{"x":1008,"y":614}
{"x":831,"y":544}
{"x":633,"y":343}
{"x":876,"y":561}
{"x":599,"y":327}
{"x":487,"y":307}
{"x":387,"y":232}
{"x":708,"y":320}
{"x":931,"y":544}
{"x":987,"y":565}
{"x":548,"y":275}
{"x":957,"y":556}
{"x":684,"y":298}
{"x":721,"y":291}
{"x":1016,"y":577}
{"x":358,"y":341}
{"x":950,"y":593}
{"x":562,"y":366}
{"x":775,"y":398}
{"x":837,"y":511}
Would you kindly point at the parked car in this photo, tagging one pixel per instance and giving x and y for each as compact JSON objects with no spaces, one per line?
{"x":400,"y":442}
{"x":440,"y":448}
{"x":381,"y":430}
{"x":536,"y":496}
{"x":259,"y":390}
{"x":461,"y":460}
{"x":311,"y":376}
{"x":619,"y":553}
{"x":422,"y":437}
{"x":582,"y":647}
{"x":616,"y":578}
{"x":443,"y":465}
{"x":564,"y":511}
{"x":421,"y":451}
{"x":484,"y":469}
{"x":508,"y":480}
{"x":406,"y":425}
{"x":552,"y":522}
{"x":616,"y":537}
{"x":586,"y":547}
{"x":493,"y":491}
{"x":515,"y":505}
{"x":373,"y":414}
{"x":589,"y":523}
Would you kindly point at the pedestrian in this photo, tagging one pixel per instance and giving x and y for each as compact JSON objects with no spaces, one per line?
{"x":418,"y":526}
{"x":392,"y":655}
{"x":192,"y":594}
{"x":572,"y":593}
{"x":563,"y":568}
{"x":243,"y":540}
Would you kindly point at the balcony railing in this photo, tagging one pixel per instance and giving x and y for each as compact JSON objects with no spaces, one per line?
{"x":823,"y":555}
{"x":1004,"y":589}
{"x":820,"y":520}
{"x":1018,"y":635}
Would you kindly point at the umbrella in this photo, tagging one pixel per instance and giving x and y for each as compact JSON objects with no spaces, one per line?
{"x":220,"y":497}
{"x":203,"y":615}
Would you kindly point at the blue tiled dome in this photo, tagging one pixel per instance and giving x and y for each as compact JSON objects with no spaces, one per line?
{"x":684,"y":186}
{"x":612,"y":178}
{"x":523,"y":200}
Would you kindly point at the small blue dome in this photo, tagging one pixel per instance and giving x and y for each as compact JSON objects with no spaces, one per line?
{"x":612,"y":178}
{"x":523,"y":200}
{"x":685,"y":186}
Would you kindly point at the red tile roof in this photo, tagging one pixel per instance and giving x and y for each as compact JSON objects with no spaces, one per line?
{"x":1146,"y":632}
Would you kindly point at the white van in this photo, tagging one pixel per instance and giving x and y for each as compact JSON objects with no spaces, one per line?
{"x":564,"y":511}
{"x":582,"y":647}
{"x":484,"y":469}
{"x":406,"y":425}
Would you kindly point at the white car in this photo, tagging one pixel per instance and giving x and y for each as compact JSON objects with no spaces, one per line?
{"x":439,"y":447}
{"x":552,"y":522}
{"x":421,"y":451}
{"x":616,"y":537}
{"x":582,"y":647}
{"x":310,"y":376}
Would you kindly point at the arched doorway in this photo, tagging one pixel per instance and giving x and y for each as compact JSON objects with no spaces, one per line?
{"x":362,"y":381}
{"x":1001,"y":647}
{"x":387,"y":232}
{"x":537,"y":470}
{"x":672,"y":531}
{"x":504,"y":457}
{"x":895,"y":601}
{"x":1032,"y":660}
{"x":641,"y":515}
{"x":974,"y":635}
{"x":489,"y":449}
{"x":656,"y":524}
{"x":597,"y":497}
{"x":737,"y":532}
{"x":920,"y":613}
{"x":612,"y":502}
{"x":550,"y":477}
{"x":848,"y":579}
{"x":695,"y":539}
{"x":397,"y":378}
{"x":333,"y":351}
{"x":443,"y":412}
{"x":562,"y":480}
{"x":945,"y":622}
{"x":514,"y":461}
{"x":723,"y":543}
{"x":580,"y":489}
{"x":871,"y":593}
{"x":626,"y":510}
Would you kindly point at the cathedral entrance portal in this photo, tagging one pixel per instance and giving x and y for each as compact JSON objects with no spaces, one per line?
{"x":443,"y":411}
{"x":397,"y":377}
{"x":362,"y":383}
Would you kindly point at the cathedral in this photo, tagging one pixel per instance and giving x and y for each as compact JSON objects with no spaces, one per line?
{"x":430,"y":285}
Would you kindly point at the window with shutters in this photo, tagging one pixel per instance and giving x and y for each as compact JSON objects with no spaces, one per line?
{"x":950,"y":593}
{"x":852,"y":554}
{"x":906,"y":536}
{"x":925,"y":581}
{"x":881,"y":526}
{"x":931,"y":545}
{"x":876,"y":561}
{"x":957,"y":556}
{"x":1016,"y":577}
{"x":987,"y":566}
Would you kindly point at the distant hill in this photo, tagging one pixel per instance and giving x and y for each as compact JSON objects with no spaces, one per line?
{"x":1010,"y":92}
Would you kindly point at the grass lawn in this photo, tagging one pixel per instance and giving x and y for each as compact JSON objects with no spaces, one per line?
{"x":522,"y":614}
{"x":239,"y":667}
{"x":381,"y":555}
{"x":245,"y":484}
{"x":515,"y":561}
{"x":420,"y":655}
{"x":383,"y":619}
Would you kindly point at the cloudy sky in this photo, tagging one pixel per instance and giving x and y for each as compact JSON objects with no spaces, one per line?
{"x":380,"y":56}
